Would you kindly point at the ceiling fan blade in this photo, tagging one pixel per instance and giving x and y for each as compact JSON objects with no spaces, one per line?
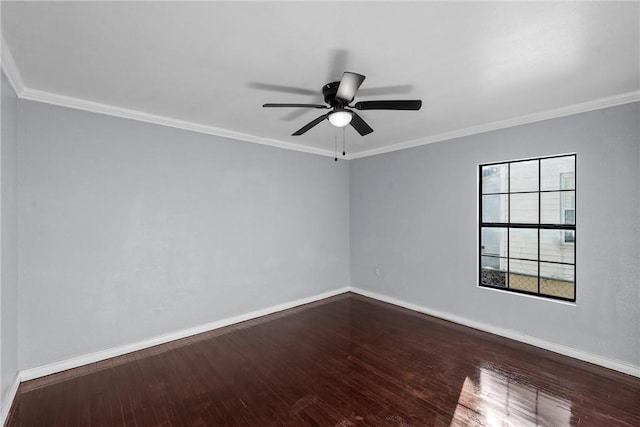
{"x":296,"y":105}
{"x":349,"y":86}
{"x":360,"y":125}
{"x":309,"y":125}
{"x":281,"y":88}
{"x":414,"y":105}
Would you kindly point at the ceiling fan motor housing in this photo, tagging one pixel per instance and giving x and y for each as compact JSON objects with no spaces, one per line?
{"x":329,"y":92}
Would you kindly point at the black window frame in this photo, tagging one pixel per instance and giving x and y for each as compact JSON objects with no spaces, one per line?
{"x":532,"y":226}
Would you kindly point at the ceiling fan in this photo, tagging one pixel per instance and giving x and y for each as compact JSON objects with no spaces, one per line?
{"x":338,"y":96}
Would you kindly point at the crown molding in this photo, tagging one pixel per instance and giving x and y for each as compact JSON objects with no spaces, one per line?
{"x":11,"y":70}
{"x":15,"y":79}
{"x":583,"y":107}
{"x":111,"y":110}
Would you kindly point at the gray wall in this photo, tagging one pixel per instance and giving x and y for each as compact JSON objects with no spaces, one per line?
{"x":9,"y":239}
{"x":131,"y":230}
{"x":414,"y":216}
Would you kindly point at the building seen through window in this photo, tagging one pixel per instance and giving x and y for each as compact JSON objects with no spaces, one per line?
{"x":528,"y":226}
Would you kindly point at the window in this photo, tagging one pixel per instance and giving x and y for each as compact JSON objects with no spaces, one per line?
{"x":528,"y":226}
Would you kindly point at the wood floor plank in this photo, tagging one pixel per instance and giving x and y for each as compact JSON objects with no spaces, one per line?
{"x":348,"y":361}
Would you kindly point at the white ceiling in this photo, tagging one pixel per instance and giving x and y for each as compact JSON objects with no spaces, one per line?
{"x":213,"y":64}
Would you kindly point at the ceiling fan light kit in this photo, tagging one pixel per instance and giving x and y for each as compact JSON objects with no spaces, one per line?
{"x":340,"y":118}
{"x":339,"y":95}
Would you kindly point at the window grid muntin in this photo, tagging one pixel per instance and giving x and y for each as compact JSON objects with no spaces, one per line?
{"x":539,"y":226}
{"x":528,"y":259}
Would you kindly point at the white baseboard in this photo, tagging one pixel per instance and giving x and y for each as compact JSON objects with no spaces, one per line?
{"x":547,"y":345}
{"x":74,"y":362}
{"x":7,"y":401}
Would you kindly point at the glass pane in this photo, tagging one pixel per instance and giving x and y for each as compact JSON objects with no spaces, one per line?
{"x":557,"y":280}
{"x":494,"y":208}
{"x":558,"y":173}
{"x":555,"y":247}
{"x":568,"y":199}
{"x":524,"y":176}
{"x":494,"y":241}
{"x":550,"y":208}
{"x":493,"y":272}
{"x":495,"y":179}
{"x":569,"y":236}
{"x":524,"y":208}
{"x":569,"y":216}
{"x":557,"y":207}
{"x":523,"y":243}
{"x":523,"y":275}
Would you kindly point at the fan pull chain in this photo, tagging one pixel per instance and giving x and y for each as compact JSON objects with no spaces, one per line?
{"x":344,"y":152}
{"x":335,"y":140}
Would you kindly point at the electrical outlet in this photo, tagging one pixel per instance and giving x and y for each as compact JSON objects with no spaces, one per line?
{"x":377,"y":271}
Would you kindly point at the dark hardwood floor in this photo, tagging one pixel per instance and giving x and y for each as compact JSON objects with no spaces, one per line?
{"x":346,"y":361}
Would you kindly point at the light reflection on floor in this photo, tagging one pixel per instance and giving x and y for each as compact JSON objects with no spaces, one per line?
{"x":495,"y":399}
